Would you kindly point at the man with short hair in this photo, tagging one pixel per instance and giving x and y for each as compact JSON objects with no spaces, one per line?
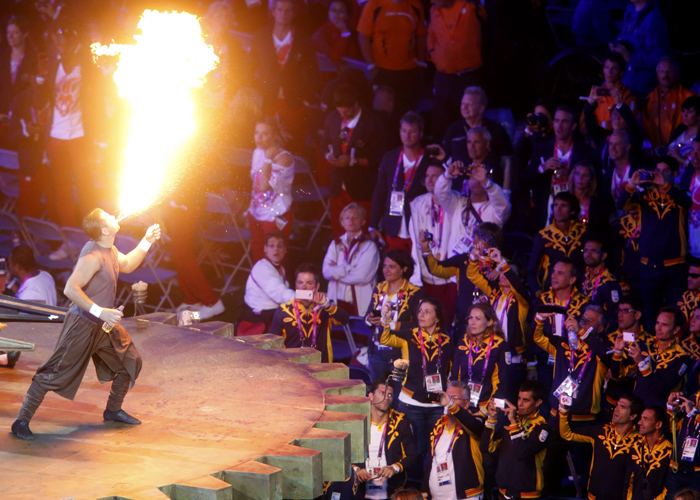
{"x":661,"y":110}
{"x":685,"y":464}
{"x":353,"y":145}
{"x":611,"y":444}
{"x":614,"y":67}
{"x":400,"y":181}
{"x":455,"y":141}
{"x":599,"y":285}
{"x":307,"y":322}
{"x":662,"y":234}
{"x":649,"y":458}
{"x":690,"y":299}
{"x":91,"y":328}
{"x":391,"y":449}
{"x":551,"y":162}
{"x":453,"y":466}
{"x":662,"y":363}
{"x":267,"y":287}
{"x":563,"y":238}
{"x":620,"y":169}
{"x":34,"y":284}
{"x":522,"y":441}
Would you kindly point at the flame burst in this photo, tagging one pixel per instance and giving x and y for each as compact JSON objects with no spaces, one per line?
{"x":156,"y":76}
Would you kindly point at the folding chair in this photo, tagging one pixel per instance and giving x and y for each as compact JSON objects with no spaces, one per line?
{"x":147,"y":272}
{"x":238,"y":161}
{"x":224,"y":229}
{"x":76,"y":238}
{"x":310,"y":192}
{"x":10,"y":227}
{"x":325,"y":65}
{"x":9,"y":185}
{"x":43,"y":236}
{"x":355,"y":64}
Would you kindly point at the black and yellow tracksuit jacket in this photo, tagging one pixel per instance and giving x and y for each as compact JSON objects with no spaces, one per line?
{"x":284,"y":323}
{"x":623,"y":367}
{"x":466,"y":454}
{"x":550,"y":246}
{"x":685,"y":425}
{"x":611,"y":452}
{"x":522,"y":448}
{"x":603,"y":290}
{"x":688,"y":302}
{"x":647,"y":469}
{"x":438,"y":357}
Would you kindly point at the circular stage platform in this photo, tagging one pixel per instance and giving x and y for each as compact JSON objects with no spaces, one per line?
{"x":223,"y":418}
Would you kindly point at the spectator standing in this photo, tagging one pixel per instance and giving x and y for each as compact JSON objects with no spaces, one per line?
{"x":392,"y":36}
{"x":614,"y":93}
{"x":642,"y":41}
{"x":599,"y":286}
{"x":454,"y":46}
{"x":353,"y":145}
{"x":691,"y":182}
{"x":685,"y":426}
{"x":594,"y":210}
{"x":690,"y":300}
{"x":619,"y":166}
{"x":661,"y":110}
{"x":684,"y":134}
{"x":272,"y":171}
{"x":308,"y":322}
{"x":663,"y":219}
{"x":650,"y":458}
{"x":335,"y":38}
{"x":401,"y":180}
{"x":18,"y":63}
{"x":351,"y":263}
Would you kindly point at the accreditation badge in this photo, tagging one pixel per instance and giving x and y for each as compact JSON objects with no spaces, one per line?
{"x":396,"y":203}
{"x":690,"y":446}
{"x":474,"y":394}
{"x":443,"y":474}
{"x":568,"y":387}
{"x":433,"y":383}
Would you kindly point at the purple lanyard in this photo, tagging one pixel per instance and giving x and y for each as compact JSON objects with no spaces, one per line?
{"x":583,"y":369}
{"x":437,"y":217}
{"x":486,"y":360}
{"x":381,"y":441}
{"x":425,"y":356}
{"x":302,"y":334}
{"x":452,"y":441}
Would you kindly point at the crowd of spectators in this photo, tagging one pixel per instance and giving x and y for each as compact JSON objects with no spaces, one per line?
{"x":543,"y":284}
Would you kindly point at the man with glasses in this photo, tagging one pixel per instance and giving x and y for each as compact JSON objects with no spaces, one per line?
{"x":599,"y":285}
{"x":690,"y":299}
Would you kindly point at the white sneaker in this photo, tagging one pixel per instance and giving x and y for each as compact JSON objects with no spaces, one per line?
{"x":206,"y":312}
{"x":60,"y":254}
{"x":191,"y":307}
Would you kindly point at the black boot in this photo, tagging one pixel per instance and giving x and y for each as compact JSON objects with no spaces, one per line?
{"x":21,"y":429}
{"x":120,"y":416}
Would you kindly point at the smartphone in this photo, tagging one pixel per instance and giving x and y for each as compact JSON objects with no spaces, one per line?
{"x":375,"y":313}
{"x":628,"y":336}
{"x":499,"y":403}
{"x":305,"y":295}
{"x":434,"y":397}
{"x":551,"y":308}
{"x":602,"y":92}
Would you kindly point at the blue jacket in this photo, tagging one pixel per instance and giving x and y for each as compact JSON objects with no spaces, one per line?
{"x":646,"y":34}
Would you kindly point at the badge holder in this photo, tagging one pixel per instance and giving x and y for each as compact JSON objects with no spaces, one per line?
{"x":443,"y":474}
{"x":474,"y":394}
{"x":396,"y":203}
{"x":376,"y":483}
{"x":690,"y":446}
{"x":433,"y":383}
{"x":567,"y":388}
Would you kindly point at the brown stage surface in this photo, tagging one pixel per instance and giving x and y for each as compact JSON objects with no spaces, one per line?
{"x":223,"y":418}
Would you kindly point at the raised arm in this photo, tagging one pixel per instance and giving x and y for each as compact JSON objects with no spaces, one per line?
{"x":131,"y":261}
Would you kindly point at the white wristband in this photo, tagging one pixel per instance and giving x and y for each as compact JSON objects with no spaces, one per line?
{"x":145,"y":245}
{"x":95,"y":310}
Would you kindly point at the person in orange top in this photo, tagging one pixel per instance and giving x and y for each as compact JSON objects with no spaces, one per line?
{"x":454,"y":45}
{"x":662,"y":108}
{"x":613,"y":71}
{"x":392,"y":37}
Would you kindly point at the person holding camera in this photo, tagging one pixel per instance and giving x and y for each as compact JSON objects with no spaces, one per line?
{"x":402,"y":298}
{"x":521,"y":438}
{"x":307,"y":320}
{"x":685,"y":426}
{"x":663,"y":208}
{"x":429,"y":351}
{"x":611,"y":94}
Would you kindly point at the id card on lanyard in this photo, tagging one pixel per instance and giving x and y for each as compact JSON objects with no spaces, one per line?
{"x":569,"y":387}
{"x":474,"y":388}
{"x":397,"y":200}
{"x":300,"y":325}
{"x":433,"y":382}
{"x":373,"y":466}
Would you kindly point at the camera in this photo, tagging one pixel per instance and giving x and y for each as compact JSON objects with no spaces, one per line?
{"x":499,"y":403}
{"x":304,"y":295}
{"x":537,"y":120}
{"x":646,"y":177}
{"x":432,"y":151}
{"x":427,"y":236}
{"x":602,"y":92}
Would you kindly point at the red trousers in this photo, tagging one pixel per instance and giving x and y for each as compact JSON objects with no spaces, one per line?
{"x":70,"y":167}
{"x":190,"y":278}
{"x":258,"y":230}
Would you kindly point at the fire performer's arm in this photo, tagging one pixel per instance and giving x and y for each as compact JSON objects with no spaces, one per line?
{"x":84,"y":270}
{"x":132,"y":260}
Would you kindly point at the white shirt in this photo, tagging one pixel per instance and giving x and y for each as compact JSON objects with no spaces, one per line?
{"x":496,"y":209}
{"x":39,"y":288}
{"x":425,"y":216}
{"x":278,"y":199}
{"x":360,"y":273}
{"x":408,"y":167}
{"x":376,"y":488}
{"x":266,"y":288}
{"x":446,"y":491}
{"x":67,"y":111}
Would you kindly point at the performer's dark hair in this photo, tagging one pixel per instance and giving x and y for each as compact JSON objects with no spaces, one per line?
{"x":93,"y":223}
{"x":403,"y":259}
{"x":535,"y":387}
{"x":659,"y":415}
{"x":636,"y":406}
{"x":275,"y":234}
{"x":23,"y":256}
{"x":439,"y":311}
{"x":381,"y":380}
{"x":308,"y":268}
{"x":678,"y":316}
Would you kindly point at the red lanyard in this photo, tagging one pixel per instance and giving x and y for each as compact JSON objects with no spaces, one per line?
{"x":411,"y":174}
{"x":437,"y":216}
{"x":277,"y":268}
{"x":302,"y":333}
{"x":617,"y":186}
{"x":348,"y":251}
{"x":504,"y":311}
{"x":425,"y":356}
{"x":486,"y":360}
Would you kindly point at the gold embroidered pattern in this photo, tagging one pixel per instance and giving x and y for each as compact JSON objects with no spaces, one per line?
{"x":689,"y":301}
{"x":479,"y":351}
{"x":588,"y":283}
{"x":629,"y":224}
{"x":692,"y":347}
{"x":650,"y":460}
{"x":558,"y":241}
{"x":662,"y":204}
{"x":616,"y":444}
{"x":305,"y":315}
{"x":392,"y":432}
{"x":431,"y":345}
{"x":664,"y":358}
{"x":577,"y":302}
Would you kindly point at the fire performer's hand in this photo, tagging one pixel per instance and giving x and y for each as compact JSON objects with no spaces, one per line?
{"x":153,"y":233}
{"x":111,"y":316}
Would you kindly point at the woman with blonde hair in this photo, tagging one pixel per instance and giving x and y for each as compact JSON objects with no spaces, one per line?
{"x":482,"y":356}
{"x":583,"y":184}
